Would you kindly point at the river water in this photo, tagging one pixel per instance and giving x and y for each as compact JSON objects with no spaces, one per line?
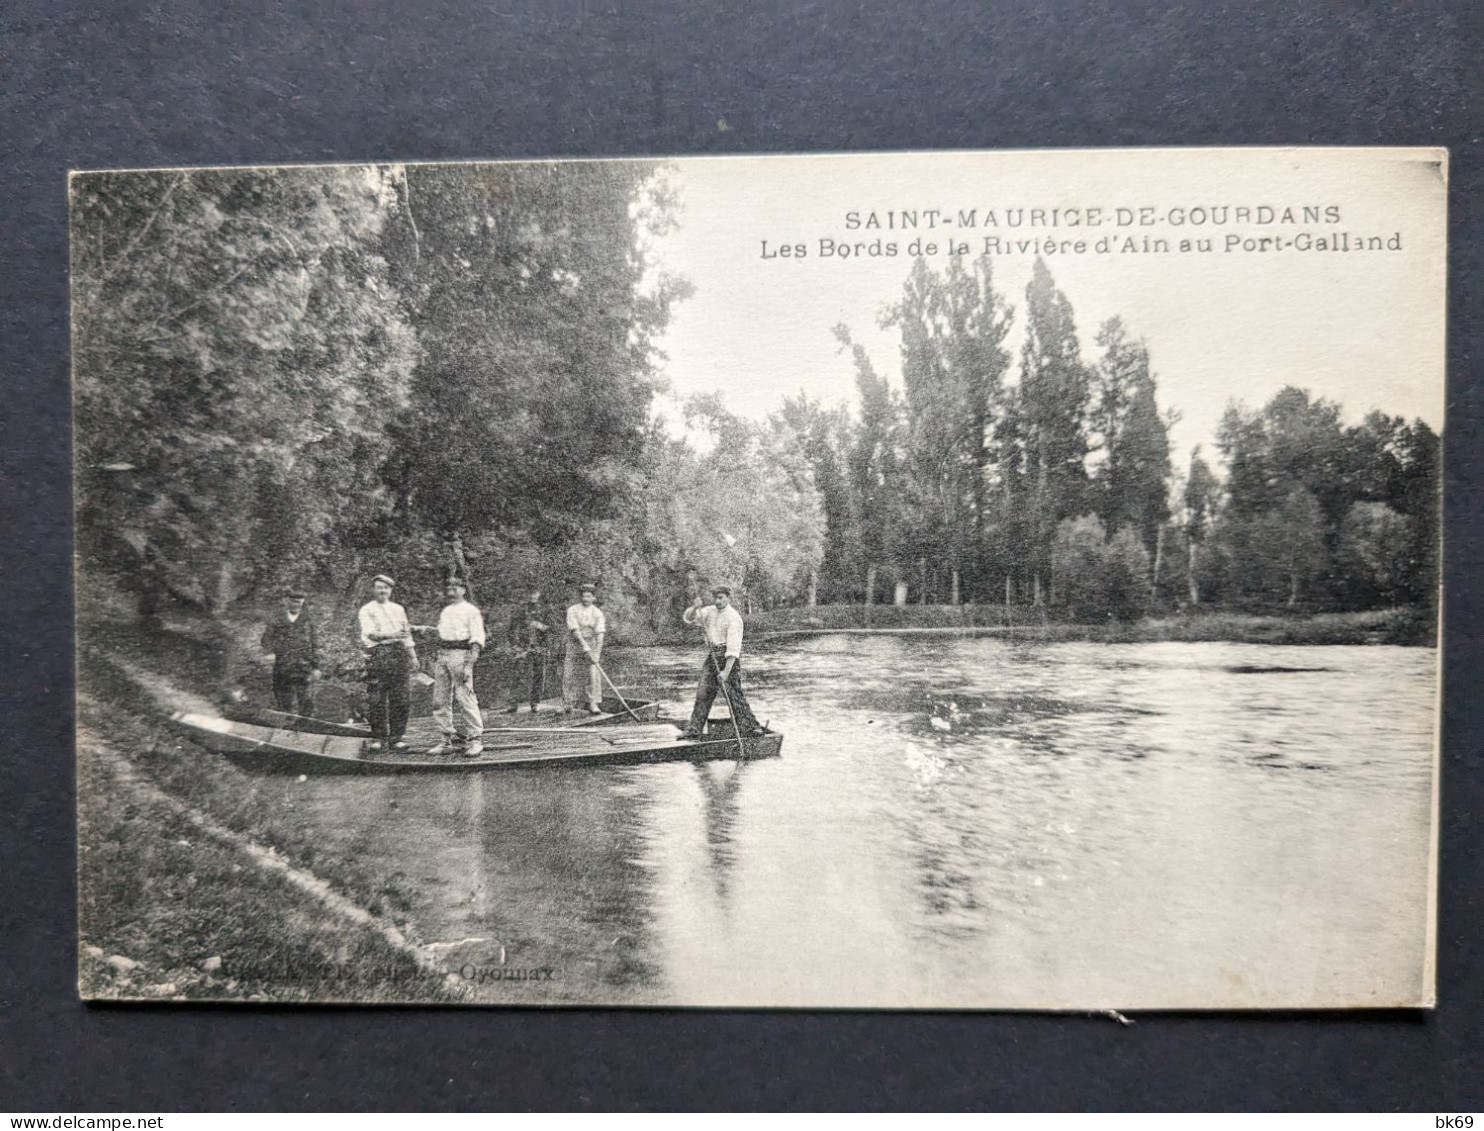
{"x":954,"y":822}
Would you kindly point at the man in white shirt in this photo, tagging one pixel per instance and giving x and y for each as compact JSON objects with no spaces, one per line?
{"x":455,"y":707}
{"x":581,"y":680}
{"x":722,"y":625}
{"x":386,"y":638}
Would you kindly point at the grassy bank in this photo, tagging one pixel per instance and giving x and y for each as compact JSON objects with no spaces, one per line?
{"x":1408,"y":626}
{"x":174,"y":897}
{"x":169,"y":911}
{"x":200,"y":881}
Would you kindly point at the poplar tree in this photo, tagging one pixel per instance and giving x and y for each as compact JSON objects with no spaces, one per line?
{"x":1131,"y":483}
{"x":876,"y":468}
{"x":1050,"y":421}
{"x":1201,"y":497}
{"x":953,"y":327}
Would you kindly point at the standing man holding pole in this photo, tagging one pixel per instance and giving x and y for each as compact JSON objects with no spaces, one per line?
{"x":581,"y":680}
{"x":722,"y":668}
{"x":460,"y":640}
{"x":391,"y":656}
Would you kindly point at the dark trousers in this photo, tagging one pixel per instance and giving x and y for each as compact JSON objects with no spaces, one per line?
{"x":710,"y":686}
{"x":388,"y":703}
{"x":529,"y":678}
{"x":291,"y":693}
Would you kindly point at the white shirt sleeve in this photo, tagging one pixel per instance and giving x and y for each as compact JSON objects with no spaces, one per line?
{"x":734,"y":634}
{"x":600,"y":622}
{"x":367,"y":626}
{"x":461,"y":622}
{"x":693,"y":615}
{"x":401,"y":624}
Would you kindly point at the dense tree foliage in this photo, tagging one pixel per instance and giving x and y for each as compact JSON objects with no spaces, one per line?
{"x":316,"y":374}
{"x":313,"y":374}
{"x":1100,"y":575}
{"x":825,"y":437}
{"x":530,"y":401}
{"x":1311,"y":508}
{"x":240,"y":348}
{"x":1048,"y":417}
{"x":742,"y":510}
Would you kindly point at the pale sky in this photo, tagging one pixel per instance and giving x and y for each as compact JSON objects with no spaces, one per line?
{"x":1362,"y":328}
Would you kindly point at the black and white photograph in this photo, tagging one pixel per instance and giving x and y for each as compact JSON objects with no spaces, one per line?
{"x":952,"y":580}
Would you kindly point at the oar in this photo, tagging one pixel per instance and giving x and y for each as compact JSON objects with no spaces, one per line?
{"x":725,"y":694}
{"x":615,"y":691}
{"x":573,"y":732}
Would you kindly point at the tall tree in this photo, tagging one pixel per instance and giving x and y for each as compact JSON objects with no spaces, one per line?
{"x":1374,"y":545}
{"x":1050,"y":415}
{"x":876,"y":468}
{"x":1131,"y":483}
{"x":953,"y":326}
{"x":1307,"y":445}
{"x":825,"y":436}
{"x":1252,"y":485}
{"x":1420,"y":453}
{"x":1200,"y":498}
{"x":539,"y":324}
{"x":239,"y":347}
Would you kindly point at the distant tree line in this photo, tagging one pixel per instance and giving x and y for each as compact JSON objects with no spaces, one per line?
{"x":1057,"y":488}
{"x":313,"y":375}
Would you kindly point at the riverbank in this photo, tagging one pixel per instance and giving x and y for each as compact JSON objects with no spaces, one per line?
{"x":195,"y":884}
{"x":201,"y":882}
{"x":1401,"y":626}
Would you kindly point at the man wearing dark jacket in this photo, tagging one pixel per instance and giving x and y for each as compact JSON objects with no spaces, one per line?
{"x":296,"y":660}
{"x":530,"y":637}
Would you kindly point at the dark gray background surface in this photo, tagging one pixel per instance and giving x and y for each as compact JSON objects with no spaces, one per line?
{"x":186,"y":83}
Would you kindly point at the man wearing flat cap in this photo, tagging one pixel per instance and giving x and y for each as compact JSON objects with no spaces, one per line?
{"x":386,"y":640}
{"x":582,"y":683}
{"x":722,"y":666}
{"x":460,"y":640}
{"x":296,"y":662}
{"x":530,"y":632}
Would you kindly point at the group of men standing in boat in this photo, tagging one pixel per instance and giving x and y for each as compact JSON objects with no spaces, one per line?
{"x":387,"y":643}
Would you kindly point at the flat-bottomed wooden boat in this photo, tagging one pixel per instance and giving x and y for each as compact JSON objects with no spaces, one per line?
{"x":271,"y":750}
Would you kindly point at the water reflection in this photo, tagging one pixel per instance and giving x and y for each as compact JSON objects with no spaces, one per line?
{"x":520,"y":868}
{"x":960,"y":822}
{"x":719,"y":784}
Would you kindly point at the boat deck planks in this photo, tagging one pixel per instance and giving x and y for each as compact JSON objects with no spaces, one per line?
{"x":642,"y":710}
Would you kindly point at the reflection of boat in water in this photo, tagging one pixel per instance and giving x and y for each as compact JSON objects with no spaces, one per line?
{"x":277,"y":750}
{"x":613,"y":713}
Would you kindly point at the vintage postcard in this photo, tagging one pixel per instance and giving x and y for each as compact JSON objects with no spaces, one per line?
{"x":927,"y":580}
